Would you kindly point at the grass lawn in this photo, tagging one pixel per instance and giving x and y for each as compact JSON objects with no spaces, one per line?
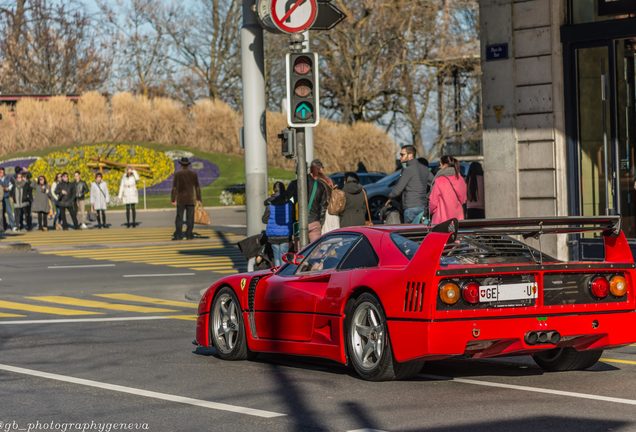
{"x":231,"y":167}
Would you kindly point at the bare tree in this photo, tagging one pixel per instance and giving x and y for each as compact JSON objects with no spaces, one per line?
{"x":204,"y":38}
{"x":141,"y":59}
{"x":50,"y":47}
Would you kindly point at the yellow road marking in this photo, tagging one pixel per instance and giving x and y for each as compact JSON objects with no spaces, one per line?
{"x":112,"y":251}
{"x":611,"y":360}
{"x":97,"y":304}
{"x":144,"y":299}
{"x":9,"y":315}
{"x":44,"y":309}
{"x":184,"y":317}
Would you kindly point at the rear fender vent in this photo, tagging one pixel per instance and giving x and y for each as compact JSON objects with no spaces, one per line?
{"x":251,"y":296}
{"x":414,"y":298}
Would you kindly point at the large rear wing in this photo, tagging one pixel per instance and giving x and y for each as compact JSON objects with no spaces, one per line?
{"x":616,"y":247}
{"x":534,"y":227}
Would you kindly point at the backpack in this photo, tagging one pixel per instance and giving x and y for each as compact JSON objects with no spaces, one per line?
{"x":337,"y":201}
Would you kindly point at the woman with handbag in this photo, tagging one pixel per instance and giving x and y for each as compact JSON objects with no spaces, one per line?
{"x":448,"y":194}
{"x":355,"y":212}
{"x":99,"y":200}
{"x":128,"y":195}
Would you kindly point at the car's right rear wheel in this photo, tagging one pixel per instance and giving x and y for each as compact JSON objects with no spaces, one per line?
{"x":566,"y":359}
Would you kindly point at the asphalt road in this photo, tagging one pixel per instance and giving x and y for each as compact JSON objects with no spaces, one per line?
{"x":125,"y":356}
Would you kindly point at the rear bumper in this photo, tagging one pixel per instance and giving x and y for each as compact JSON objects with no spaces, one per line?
{"x":498,"y":337}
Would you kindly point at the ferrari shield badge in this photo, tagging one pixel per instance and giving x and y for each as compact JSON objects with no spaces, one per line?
{"x":243,"y":282}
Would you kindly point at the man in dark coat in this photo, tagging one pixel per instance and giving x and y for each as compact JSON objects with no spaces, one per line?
{"x":355,"y":211}
{"x":66,"y":201}
{"x":185,"y":193}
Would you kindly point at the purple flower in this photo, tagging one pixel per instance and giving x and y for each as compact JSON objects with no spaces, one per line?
{"x":206,"y":170}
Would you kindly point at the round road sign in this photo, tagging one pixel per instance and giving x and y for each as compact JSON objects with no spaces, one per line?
{"x":294,"y":16}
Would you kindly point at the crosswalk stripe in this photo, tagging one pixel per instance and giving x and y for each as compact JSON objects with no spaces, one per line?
{"x":613,"y":360}
{"x":70,"y":301}
{"x":113,"y":251}
{"x":144,"y":299}
{"x":10,"y":315}
{"x":44,"y":309}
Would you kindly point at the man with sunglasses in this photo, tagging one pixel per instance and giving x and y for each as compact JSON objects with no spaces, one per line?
{"x":413,"y":186}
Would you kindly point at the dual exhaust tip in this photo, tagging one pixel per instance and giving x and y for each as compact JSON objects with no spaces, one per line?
{"x":542,"y":337}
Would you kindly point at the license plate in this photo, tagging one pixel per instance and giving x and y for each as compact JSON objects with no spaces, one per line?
{"x":508,"y":292}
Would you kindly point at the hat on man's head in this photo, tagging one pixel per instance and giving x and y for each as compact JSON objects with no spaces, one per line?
{"x":184,"y":161}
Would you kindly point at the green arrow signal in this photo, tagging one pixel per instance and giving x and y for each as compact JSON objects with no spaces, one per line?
{"x":304,"y":111}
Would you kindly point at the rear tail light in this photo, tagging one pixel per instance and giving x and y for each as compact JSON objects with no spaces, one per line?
{"x":618,"y":286}
{"x":470,"y":292}
{"x":599,"y":287}
{"x":449,"y":293}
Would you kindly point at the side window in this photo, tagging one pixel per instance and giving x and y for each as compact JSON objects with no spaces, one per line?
{"x":290,"y":269}
{"x":328,"y":253}
{"x":361,"y":256}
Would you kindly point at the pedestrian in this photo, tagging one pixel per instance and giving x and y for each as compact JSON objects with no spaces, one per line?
{"x":129,"y":196}
{"x":475,"y":205}
{"x":279,"y":217}
{"x":7,"y":210}
{"x":81,"y":188}
{"x":329,"y":221}
{"x":185,"y":194}
{"x":355,"y":211}
{"x":56,"y":218}
{"x":42,"y":202}
{"x":21,"y":196}
{"x":412,"y":186}
{"x":448,"y":193}
{"x":99,"y":200}
{"x":65,"y":192}
{"x":362,"y":168}
{"x":28,"y":215}
{"x":317,"y":199}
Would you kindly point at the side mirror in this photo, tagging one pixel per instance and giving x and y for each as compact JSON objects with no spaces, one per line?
{"x":292,"y":258}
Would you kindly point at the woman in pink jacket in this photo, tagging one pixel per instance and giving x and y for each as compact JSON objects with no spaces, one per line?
{"x":448,"y":193}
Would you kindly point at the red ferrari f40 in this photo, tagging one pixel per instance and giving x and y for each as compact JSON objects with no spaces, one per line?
{"x":384,"y":299}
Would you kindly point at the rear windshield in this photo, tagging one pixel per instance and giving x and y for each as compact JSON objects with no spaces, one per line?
{"x":475,"y":249}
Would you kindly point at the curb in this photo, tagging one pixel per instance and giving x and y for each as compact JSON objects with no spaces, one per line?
{"x":15,"y":247}
{"x":195,"y":294}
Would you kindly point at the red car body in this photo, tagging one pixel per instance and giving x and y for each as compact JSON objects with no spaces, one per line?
{"x":305,"y":314}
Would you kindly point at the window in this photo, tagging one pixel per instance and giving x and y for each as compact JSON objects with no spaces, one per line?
{"x":328,"y":253}
{"x":361,"y":256}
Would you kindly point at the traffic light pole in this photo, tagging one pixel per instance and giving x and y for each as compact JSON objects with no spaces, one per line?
{"x":252,"y":67}
{"x":301,"y":174}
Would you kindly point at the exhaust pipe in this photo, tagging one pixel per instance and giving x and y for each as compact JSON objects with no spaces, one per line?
{"x":531,"y":338}
{"x":549,"y":337}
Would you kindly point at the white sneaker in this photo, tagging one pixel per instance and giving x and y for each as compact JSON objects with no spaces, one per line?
{"x":83,"y":226}
{"x":14,"y":229}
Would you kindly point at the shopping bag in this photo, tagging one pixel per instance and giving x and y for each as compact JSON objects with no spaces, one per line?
{"x":201,"y":217}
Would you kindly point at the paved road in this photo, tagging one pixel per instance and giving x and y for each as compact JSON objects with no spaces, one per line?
{"x":93,"y":344}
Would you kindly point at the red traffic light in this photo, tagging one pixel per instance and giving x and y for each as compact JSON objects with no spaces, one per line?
{"x":302,"y":65}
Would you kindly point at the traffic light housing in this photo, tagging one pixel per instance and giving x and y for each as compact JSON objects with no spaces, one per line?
{"x":288,"y":143}
{"x":303,"y":90}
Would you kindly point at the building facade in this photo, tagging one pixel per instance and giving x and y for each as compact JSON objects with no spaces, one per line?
{"x":559,"y":112}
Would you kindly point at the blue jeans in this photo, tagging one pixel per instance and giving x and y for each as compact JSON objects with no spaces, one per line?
{"x":279,"y":250}
{"x":410,"y":214}
{"x":6,"y":207}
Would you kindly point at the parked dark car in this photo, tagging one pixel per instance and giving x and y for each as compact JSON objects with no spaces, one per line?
{"x":378,"y":192}
{"x":365,"y":178}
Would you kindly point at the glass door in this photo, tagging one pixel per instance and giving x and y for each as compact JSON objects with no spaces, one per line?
{"x":596,"y":167}
{"x":626,"y":132}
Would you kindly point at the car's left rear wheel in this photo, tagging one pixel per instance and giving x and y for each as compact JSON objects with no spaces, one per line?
{"x":227,"y":328}
{"x":368,"y":343}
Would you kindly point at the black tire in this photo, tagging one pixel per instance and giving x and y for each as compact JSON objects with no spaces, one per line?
{"x":384,"y":368}
{"x":232,"y":347}
{"x":566,"y":359}
{"x":375,"y":205}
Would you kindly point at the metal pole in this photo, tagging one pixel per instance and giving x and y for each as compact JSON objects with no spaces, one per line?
{"x":253,"y":76}
{"x":309,"y":132}
{"x":301,"y":172}
{"x":145,"y":205}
